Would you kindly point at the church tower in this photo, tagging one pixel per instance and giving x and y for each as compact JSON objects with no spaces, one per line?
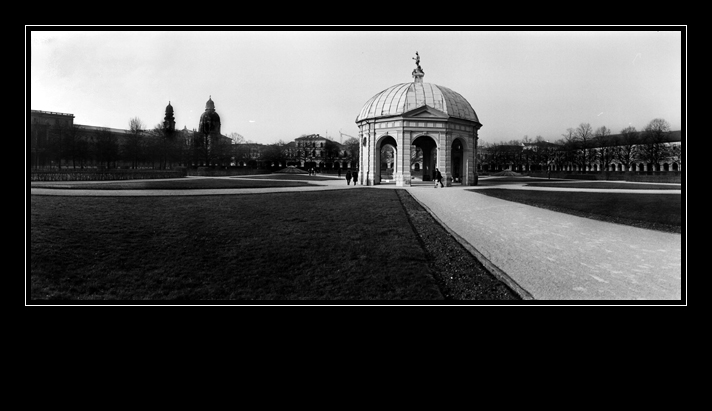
{"x":210,"y":120}
{"x":169,"y":121}
{"x":207,"y":139}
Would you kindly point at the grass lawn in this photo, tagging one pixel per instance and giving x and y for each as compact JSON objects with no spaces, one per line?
{"x":543,"y":182}
{"x":331,"y":245}
{"x":661,"y":212}
{"x":287,"y":177}
{"x":170,"y":184}
{"x":607,"y":185}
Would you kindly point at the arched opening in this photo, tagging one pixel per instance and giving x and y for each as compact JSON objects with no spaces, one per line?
{"x":387,"y":158}
{"x":429,"y":152}
{"x":387,"y":152}
{"x":457,"y":161}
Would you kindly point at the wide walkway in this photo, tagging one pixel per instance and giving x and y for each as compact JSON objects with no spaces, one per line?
{"x":556,"y":256}
{"x":546,"y":255}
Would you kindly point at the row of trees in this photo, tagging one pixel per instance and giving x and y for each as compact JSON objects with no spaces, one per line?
{"x":78,"y":147}
{"x":160,"y":148}
{"x":583,"y":148}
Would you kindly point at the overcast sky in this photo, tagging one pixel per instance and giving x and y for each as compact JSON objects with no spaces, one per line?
{"x":277,"y":85}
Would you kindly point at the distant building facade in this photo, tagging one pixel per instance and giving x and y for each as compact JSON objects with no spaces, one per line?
{"x":636,"y":153}
{"x":56,"y":141}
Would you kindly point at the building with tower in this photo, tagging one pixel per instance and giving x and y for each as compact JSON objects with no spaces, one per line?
{"x":210,"y":147}
{"x":415,"y":120}
{"x":169,"y":121}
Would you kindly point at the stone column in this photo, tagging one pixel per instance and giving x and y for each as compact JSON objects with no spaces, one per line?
{"x":444,"y":157}
{"x":471,"y":162}
{"x":403,"y":162}
{"x":370,"y":178}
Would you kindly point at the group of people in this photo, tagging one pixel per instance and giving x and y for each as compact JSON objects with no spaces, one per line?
{"x":437,"y":177}
{"x":350,"y":175}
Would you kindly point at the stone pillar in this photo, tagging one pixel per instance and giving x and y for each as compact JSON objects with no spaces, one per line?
{"x":371,"y":178}
{"x":403,"y":163}
{"x":473,"y":143}
{"x":444,"y":157}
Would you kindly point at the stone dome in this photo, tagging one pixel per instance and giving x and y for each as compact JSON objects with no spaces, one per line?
{"x":210,"y":120}
{"x":404,"y":97}
{"x":209,"y":105}
{"x":210,"y":113}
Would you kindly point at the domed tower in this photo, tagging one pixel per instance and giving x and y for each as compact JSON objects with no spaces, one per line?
{"x":427,"y":126}
{"x":207,"y":139}
{"x":169,"y":121}
{"x":210,"y":120}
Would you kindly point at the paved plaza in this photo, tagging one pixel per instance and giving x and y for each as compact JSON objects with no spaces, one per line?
{"x":544,"y":254}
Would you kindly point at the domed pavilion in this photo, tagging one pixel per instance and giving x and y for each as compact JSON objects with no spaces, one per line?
{"x":418,"y":118}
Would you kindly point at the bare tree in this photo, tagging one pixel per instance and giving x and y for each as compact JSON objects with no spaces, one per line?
{"x":544,"y":153}
{"x":527,"y":155}
{"x":274,"y":154}
{"x":626,"y":151}
{"x":604,"y":146}
{"x":569,"y":148}
{"x":676,"y":155}
{"x":331,"y":151}
{"x":654,"y":147}
{"x":106,"y":147}
{"x":583,"y":135}
{"x":352,"y":148}
{"x":237,"y":138}
{"x":133,"y":147}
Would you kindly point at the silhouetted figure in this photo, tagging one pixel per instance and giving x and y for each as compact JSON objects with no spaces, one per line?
{"x":438,"y":178}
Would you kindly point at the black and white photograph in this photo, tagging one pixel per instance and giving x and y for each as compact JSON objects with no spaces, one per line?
{"x":355,"y":165}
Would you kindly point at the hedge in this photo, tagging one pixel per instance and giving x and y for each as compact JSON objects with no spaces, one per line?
{"x":113,"y":174}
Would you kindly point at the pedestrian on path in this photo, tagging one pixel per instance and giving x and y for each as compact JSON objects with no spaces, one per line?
{"x":355,"y":176}
{"x":438,"y":178}
{"x":348,"y":177}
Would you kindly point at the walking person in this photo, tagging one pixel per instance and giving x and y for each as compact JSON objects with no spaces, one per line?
{"x":355,"y":176}
{"x":438,"y":179}
{"x":348,"y":177}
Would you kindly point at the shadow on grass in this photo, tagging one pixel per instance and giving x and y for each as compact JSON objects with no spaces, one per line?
{"x":316,"y":246}
{"x":651,"y":211}
{"x":173,"y":184}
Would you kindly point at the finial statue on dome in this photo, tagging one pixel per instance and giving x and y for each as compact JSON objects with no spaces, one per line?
{"x":418,"y":73}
